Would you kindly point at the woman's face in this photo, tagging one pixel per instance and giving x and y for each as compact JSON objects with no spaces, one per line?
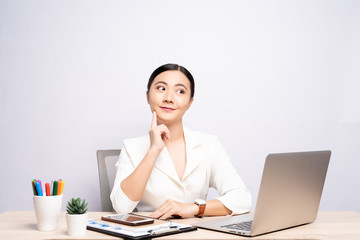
{"x":170,"y":96}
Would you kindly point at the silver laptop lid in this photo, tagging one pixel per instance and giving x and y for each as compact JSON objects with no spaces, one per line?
{"x":290,"y":190}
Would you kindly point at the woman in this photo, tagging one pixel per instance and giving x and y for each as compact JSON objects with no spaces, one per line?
{"x":170,"y":170}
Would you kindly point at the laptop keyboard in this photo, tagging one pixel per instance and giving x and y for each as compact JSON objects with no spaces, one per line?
{"x":245,"y":226}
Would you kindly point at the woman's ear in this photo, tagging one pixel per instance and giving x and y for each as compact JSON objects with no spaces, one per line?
{"x":147,"y":97}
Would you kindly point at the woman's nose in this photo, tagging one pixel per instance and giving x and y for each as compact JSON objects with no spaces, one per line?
{"x":168,"y":98}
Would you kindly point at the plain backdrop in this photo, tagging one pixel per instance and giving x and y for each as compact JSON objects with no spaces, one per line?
{"x":271,"y":76}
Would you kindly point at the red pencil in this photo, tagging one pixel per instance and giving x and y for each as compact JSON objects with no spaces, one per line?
{"x":47,"y":189}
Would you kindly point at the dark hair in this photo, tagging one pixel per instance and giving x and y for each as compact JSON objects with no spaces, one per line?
{"x":172,"y":67}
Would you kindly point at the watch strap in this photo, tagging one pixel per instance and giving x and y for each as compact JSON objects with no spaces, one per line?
{"x":201,"y":210}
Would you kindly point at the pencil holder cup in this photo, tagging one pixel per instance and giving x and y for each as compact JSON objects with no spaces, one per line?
{"x":47,"y":210}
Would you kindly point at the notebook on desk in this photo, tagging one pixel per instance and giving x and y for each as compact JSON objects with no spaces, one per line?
{"x":289,"y":195}
{"x":158,"y":228}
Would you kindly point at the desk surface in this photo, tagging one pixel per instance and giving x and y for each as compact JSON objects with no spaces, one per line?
{"x":329,"y":225}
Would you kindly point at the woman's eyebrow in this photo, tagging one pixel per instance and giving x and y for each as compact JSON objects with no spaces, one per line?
{"x":176,"y":85}
{"x":161,"y":82}
{"x":181,"y":85}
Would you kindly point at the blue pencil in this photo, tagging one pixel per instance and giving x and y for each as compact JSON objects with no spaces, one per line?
{"x":38,"y":189}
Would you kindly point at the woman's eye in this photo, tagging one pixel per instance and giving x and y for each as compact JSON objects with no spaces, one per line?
{"x":161,"y":88}
{"x":180,"y":91}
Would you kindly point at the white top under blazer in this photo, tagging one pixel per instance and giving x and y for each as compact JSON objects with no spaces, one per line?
{"x":207,"y":165}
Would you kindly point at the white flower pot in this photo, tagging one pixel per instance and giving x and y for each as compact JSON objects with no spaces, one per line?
{"x":76,"y":224}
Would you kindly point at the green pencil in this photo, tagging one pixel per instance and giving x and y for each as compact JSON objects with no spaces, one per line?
{"x":55,"y":188}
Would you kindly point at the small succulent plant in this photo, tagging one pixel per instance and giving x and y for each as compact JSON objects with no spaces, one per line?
{"x":76,"y":206}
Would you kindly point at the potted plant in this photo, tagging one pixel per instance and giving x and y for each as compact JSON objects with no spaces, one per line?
{"x":76,"y":217}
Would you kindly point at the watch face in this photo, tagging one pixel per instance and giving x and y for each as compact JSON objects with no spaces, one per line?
{"x":200,"y":202}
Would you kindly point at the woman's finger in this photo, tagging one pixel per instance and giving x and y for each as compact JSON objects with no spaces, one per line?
{"x":168,"y":214}
{"x":170,"y":210}
{"x":157,"y":213}
{"x":165,"y":207}
{"x":165,"y":134}
{"x":154,"y":120}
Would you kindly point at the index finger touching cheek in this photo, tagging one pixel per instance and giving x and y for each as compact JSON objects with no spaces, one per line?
{"x":154,"y":120}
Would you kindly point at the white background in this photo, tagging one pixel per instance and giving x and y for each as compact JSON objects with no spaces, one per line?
{"x":271,"y":76}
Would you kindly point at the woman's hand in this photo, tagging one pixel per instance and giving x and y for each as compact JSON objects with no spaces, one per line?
{"x":171,"y":207}
{"x":158,"y":134}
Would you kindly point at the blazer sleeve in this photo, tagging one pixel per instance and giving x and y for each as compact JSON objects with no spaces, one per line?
{"x":225,"y":179}
{"x":124,"y":167}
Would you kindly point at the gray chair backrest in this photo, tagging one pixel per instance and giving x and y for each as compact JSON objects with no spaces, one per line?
{"x":106,"y":160}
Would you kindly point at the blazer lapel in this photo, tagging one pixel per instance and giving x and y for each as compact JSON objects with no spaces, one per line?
{"x":165,"y":165}
{"x":193,"y":155}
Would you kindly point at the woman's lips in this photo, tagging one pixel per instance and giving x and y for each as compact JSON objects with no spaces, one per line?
{"x":167,"y":109}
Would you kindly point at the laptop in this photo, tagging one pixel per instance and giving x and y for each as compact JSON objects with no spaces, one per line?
{"x":289,"y":195}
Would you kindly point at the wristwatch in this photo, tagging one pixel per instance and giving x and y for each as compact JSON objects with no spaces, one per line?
{"x":202,"y":204}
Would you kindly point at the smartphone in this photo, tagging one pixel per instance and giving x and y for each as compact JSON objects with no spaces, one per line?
{"x":127,"y":219}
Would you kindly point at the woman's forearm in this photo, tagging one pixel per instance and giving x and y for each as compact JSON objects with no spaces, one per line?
{"x":134,"y":185}
{"x":216,"y":208}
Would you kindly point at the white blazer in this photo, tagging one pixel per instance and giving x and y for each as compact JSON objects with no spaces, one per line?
{"x":207,"y":166}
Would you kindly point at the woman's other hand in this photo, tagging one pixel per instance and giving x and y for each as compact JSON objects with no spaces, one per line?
{"x":171,"y":207}
{"x":158,"y":134}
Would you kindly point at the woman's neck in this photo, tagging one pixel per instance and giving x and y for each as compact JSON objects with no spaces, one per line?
{"x":176,"y":131}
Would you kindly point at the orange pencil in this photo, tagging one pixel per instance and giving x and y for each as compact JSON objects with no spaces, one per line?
{"x":47,"y":189}
{"x":59,"y":187}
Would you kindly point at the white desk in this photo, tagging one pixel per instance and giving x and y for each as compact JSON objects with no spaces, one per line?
{"x":329,"y":225}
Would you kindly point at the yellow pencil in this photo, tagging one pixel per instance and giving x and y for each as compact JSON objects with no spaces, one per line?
{"x":62,"y":186}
